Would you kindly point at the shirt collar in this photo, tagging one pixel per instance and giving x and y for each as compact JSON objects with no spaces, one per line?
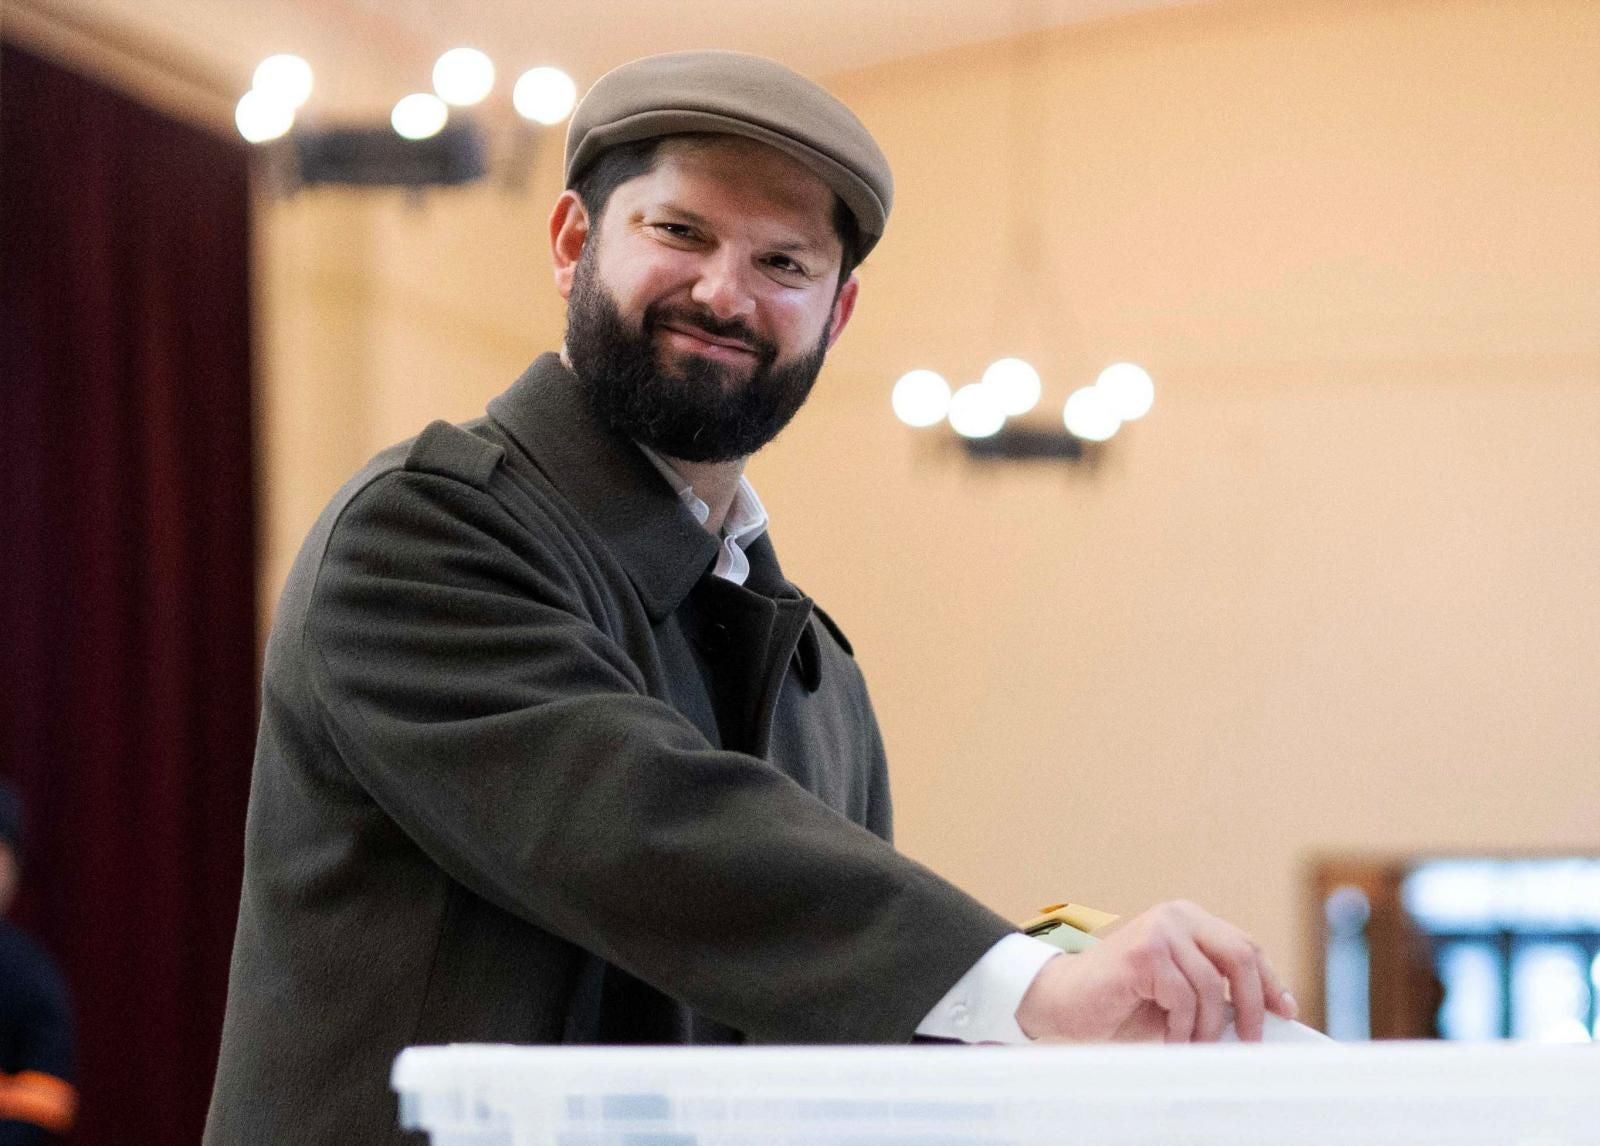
{"x":746,"y":519}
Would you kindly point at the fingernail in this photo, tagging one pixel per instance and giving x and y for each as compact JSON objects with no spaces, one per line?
{"x":1290,"y":1005}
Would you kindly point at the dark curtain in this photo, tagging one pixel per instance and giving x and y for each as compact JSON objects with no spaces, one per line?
{"x":127,"y":703}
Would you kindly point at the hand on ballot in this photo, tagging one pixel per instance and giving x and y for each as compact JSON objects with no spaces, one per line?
{"x":1167,"y":974}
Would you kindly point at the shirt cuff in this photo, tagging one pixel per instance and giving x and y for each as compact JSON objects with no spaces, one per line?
{"x":982,"y":1006}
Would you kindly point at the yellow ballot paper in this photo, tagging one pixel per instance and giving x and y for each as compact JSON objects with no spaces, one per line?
{"x":1071,"y":927}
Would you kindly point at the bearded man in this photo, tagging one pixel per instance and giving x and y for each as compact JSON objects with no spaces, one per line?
{"x":552,"y":751}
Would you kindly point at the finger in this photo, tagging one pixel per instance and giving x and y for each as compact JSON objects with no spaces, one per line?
{"x":1277,"y":995}
{"x":1210,"y":989}
{"x":1240,"y":961}
{"x":1249,"y":1001}
{"x":1175,"y":995}
{"x":1147,"y":1024}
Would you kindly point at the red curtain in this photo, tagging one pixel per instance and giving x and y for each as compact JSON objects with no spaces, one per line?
{"x":127,"y":566}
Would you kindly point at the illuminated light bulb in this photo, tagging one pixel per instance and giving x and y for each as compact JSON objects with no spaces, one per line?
{"x":1015,"y":384}
{"x":921,"y":398}
{"x":261,"y":118}
{"x":463,"y":76}
{"x":283,"y":78}
{"x":975,"y":412}
{"x":1128,"y":388}
{"x":419,"y":116}
{"x":1089,"y":415}
{"x":544,"y":95}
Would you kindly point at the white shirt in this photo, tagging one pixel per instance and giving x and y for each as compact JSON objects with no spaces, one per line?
{"x":982,"y":1006}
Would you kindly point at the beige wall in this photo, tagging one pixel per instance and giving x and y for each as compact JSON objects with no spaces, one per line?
{"x":378,"y":314}
{"x":1340,"y":590}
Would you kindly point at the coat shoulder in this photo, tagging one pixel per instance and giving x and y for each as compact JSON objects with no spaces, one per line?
{"x":454,"y":452}
{"x":834,"y":630}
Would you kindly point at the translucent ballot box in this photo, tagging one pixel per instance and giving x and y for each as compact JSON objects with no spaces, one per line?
{"x":1375,"y":1094}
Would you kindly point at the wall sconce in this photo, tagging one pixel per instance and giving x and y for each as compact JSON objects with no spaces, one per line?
{"x":980,"y":413}
{"x":421,"y":146}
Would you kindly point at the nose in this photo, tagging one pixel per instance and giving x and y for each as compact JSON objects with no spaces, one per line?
{"x":722,"y":286}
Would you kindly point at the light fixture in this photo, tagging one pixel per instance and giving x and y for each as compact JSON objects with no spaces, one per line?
{"x":1090,"y":415}
{"x":1128,"y":389}
{"x":921,"y":398}
{"x":284,"y":79}
{"x":420,"y":115}
{"x":463,"y":77}
{"x":988,"y":417}
{"x":260,"y":118}
{"x":1015,"y":385}
{"x":976,"y":412}
{"x":994,"y":418}
{"x":544,"y":95}
{"x":421,"y":146}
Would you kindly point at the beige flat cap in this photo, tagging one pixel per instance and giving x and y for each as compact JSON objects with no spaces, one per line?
{"x":737,"y":94}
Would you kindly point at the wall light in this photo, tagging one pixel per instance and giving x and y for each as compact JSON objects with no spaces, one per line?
{"x":1015,"y":385}
{"x":463,"y":77}
{"x":1090,"y":415}
{"x":544,"y":95}
{"x":260,"y":118}
{"x":987,"y":415}
{"x":976,"y":411}
{"x":993,"y":418}
{"x":420,"y":115}
{"x":420,"y":146}
{"x":921,"y":398}
{"x":1128,"y":389}
{"x":283,"y":78}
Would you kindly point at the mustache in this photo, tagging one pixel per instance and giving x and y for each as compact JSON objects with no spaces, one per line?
{"x":656,"y":313}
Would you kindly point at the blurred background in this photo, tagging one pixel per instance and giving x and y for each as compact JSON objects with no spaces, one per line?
{"x":1314,"y":642}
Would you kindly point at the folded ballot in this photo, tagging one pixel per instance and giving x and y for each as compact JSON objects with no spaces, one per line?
{"x":1276,"y":1030}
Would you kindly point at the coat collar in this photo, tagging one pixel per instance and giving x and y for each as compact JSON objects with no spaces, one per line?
{"x":611,"y":483}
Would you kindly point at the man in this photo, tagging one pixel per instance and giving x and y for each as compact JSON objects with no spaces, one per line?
{"x":37,"y":1098}
{"x":551,"y":751}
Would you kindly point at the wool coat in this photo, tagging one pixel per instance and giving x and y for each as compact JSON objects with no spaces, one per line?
{"x":528,"y":773}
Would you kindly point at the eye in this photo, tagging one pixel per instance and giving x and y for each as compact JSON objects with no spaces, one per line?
{"x":786,"y":265}
{"x":680,"y":231}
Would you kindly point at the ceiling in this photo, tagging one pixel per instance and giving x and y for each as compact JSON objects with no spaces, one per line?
{"x":368,"y":53}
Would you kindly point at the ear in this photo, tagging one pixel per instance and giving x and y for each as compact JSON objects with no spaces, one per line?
{"x":569,"y":229}
{"x":843,"y":307}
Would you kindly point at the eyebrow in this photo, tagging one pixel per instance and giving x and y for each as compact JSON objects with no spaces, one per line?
{"x":805,"y":246}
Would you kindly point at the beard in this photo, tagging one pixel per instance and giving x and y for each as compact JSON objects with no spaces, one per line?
{"x":695,"y":409}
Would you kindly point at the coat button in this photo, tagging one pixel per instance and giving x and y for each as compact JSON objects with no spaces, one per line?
{"x":715,"y":639}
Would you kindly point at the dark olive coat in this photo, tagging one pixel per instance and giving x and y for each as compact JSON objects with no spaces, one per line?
{"x":528,"y":773}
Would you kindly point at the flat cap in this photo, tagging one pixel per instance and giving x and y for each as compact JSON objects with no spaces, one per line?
{"x":737,"y":94}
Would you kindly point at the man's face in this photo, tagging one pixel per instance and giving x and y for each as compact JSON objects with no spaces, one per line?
{"x":702,"y":305}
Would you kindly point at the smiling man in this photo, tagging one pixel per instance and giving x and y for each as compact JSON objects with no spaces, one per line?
{"x":552,"y":751}
{"x":703,"y":294}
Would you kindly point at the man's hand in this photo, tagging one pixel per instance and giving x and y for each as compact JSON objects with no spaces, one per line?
{"x":1166,"y":974}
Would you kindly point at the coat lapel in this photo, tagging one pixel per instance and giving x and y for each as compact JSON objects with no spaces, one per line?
{"x":609,"y":481}
{"x":665,"y":552}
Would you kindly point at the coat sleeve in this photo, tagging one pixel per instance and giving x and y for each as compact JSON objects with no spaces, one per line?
{"x":477,"y":701}
{"x":880,"y":807}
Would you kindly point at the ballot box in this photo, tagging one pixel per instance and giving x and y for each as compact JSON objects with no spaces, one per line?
{"x":1374,"y":1094}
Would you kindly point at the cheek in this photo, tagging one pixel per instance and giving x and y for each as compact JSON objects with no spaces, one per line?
{"x":803,"y":320}
{"x":639,"y":287}
{"x":630,"y":274}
